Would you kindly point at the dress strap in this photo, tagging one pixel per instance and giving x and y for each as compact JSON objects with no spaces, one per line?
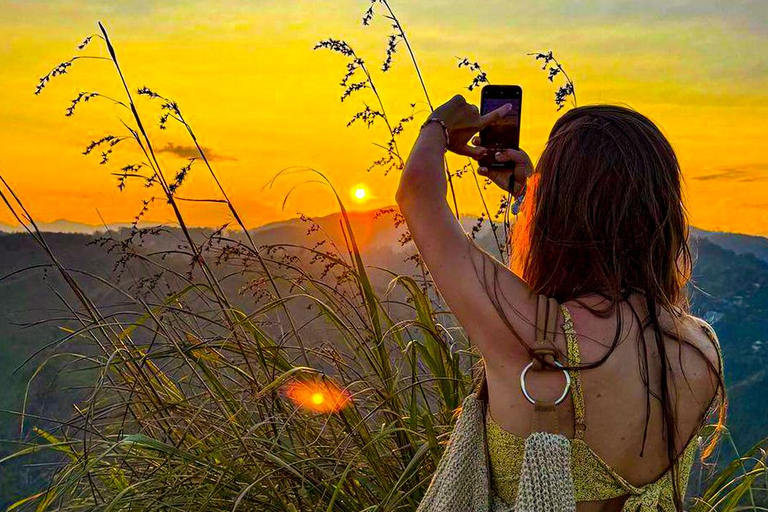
{"x":574,"y":359}
{"x":544,"y":414}
{"x":713,"y":338}
{"x":720,"y":395}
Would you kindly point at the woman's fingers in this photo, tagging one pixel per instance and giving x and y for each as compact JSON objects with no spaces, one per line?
{"x":511,"y":155}
{"x":495,"y":115}
{"x":476,"y":152}
{"x":480,"y":151}
{"x":520,"y":174}
{"x":508,"y":180}
{"x":519,"y":157}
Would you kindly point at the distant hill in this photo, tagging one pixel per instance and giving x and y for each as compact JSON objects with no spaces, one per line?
{"x":740,"y":244}
{"x":729,"y":289}
{"x":63,"y":226}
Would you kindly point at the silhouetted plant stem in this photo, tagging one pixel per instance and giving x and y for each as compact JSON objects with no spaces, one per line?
{"x":488,"y":213}
{"x":426,"y":95}
{"x":197,"y":254}
{"x":253,"y":248}
{"x":198,"y":257}
{"x":383,"y":111}
{"x":564,"y":90}
{"x":410,"y":51}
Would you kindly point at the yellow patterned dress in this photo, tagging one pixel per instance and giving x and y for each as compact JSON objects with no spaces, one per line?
{"x":593,"y":479}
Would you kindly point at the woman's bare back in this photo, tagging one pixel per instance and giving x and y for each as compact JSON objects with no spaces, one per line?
{"x":614,"y":394}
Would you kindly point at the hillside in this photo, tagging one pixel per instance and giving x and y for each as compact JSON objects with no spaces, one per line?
{"x":729,"y":289}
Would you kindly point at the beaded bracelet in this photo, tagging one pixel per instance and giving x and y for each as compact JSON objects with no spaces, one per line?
{"x":442,"y":123}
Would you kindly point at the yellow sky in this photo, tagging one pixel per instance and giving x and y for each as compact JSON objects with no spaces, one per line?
{"x":260,"y":98}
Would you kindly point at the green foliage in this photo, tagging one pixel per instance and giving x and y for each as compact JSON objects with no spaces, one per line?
{"x":740,"y":484}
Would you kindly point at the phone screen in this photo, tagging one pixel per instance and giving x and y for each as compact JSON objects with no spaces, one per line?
{"x":504,"y":133}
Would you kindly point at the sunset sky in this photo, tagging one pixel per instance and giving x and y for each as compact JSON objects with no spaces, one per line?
{"x":261,"y":99}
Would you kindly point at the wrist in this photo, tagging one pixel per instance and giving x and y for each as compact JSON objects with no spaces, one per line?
{"x":434,"y":133}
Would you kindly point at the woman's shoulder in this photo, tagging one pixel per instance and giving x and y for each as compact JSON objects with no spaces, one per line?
{"x":707,"y":328}
{"x":704,"y":336}
{"x":695,"y":367}
{"x":702,"y":369}
{"x":697,"y":362}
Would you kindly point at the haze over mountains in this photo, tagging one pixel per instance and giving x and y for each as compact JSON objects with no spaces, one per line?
{"x":730,"y":290}
{"x":739,"y":243}
{"x":62,"y":226}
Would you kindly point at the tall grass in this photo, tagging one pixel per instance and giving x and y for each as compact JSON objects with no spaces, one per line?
{"x":191,"y":406}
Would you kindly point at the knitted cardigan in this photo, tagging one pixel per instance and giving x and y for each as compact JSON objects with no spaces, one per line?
{"x":462,"y":481}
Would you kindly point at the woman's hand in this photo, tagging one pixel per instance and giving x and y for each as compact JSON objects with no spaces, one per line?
{"x":463,"y":120}
{"x":503,"y":178}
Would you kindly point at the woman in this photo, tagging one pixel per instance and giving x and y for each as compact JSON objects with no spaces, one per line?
{"x":603,"y":231}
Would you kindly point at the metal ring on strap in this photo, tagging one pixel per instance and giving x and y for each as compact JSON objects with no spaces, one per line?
{"x":530,"y":398}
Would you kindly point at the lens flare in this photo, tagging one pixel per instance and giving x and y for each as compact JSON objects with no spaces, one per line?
{"x":318,"y":396}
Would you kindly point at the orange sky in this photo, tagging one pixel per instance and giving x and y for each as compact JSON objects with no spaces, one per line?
{"x":261,"y":99}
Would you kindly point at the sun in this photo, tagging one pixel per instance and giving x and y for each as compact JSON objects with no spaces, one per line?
{"x":360,"y":193}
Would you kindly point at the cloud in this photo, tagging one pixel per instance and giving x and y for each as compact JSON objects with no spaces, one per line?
{"x":742,"y":173}
{"x":748,"y":15}
{"x":191,"y":152}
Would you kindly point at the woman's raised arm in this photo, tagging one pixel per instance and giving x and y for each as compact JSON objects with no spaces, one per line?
{"x":466,"y":276}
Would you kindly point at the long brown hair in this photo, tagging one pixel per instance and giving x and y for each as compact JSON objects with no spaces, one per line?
{"x":604,"y":215}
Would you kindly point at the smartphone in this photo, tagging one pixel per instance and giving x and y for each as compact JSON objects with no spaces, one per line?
{"x":505,"y":133}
